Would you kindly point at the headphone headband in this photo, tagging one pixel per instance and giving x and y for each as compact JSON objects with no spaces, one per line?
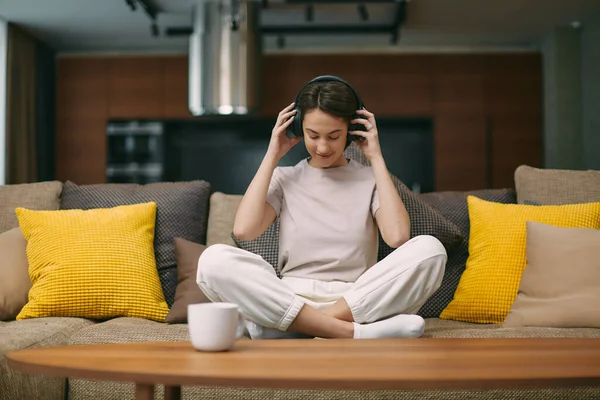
{"x":295,"y":128}
{"x":331,"y":78}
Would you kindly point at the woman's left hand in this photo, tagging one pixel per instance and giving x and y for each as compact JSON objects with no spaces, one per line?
{"x":370,"y":146}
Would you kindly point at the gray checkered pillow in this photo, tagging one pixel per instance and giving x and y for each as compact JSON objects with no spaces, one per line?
{"x":453,"y":205}
{"x":181,"y":211}
{"x":266,"y":245}
{"x":424,"y":219}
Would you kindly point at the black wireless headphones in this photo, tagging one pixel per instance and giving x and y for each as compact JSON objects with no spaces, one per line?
{"x":295,"y":128}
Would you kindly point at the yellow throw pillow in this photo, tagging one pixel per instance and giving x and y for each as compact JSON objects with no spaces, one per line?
{"x":95,"y":264}
{"x":497,"y":254}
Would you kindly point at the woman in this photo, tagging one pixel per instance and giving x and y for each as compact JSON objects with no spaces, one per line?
{"x":330,"y":211}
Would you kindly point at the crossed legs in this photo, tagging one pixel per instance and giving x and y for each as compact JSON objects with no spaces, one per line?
{"x":318,"y":323}
{"x":339,"y":310}
{"x":379,"y":304}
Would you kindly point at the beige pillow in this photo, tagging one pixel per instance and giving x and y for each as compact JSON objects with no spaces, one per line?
{"x":560,"y":285}
{"x":221,"y":216}
{"x":33,"y":196}
{"x":556,"y":186}
{"x":14,"y":275}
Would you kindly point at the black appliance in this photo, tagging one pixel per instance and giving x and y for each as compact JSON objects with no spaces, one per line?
{"x":135,"y":152}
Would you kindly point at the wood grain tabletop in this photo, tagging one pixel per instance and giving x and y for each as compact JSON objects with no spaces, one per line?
{"x":330,"y":364}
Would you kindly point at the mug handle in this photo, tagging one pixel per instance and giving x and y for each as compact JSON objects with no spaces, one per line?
{"x":241,"y":326}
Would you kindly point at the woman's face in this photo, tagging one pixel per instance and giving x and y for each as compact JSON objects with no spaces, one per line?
{"x":325,"y":138}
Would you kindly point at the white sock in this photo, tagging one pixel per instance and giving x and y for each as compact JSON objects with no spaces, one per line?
{"x":399,"y":326}
{"x":258,"y":332}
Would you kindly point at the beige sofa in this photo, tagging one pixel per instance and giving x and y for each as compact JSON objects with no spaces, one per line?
{"x":41,"y":332}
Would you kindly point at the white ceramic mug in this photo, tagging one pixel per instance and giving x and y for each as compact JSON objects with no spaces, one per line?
{"x":215,"y":326}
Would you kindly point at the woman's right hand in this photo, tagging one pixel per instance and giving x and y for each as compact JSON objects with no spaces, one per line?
{"x":280,"y":144}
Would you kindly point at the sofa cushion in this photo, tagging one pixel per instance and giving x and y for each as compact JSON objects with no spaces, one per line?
{"x":440,"y":328}
{"x":560,"y":286}
{"x":187,"y":292}
{"x":556,"y":186}
{"x":497,"y":254}
{"x":182,"y":211}
{"x":14,"y":276}
{"x":424,"y":219}
{"x":126,"y":330}
{"x":33,"y":333}
{"x":92,"y":263}
{"x":266,"y":245}
{"x":35,"y":196}
{"x":221,"y":217}
{"x":223,"y":208}
{"x":453,"y":205}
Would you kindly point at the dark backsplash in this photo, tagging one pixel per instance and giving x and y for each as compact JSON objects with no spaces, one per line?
{"x":227,"y":150}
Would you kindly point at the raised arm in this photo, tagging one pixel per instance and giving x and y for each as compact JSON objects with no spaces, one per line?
{"x":392,"y":218}
{"x":255,"y":215}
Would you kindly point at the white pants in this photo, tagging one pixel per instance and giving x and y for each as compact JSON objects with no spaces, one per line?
{"x":398,"y":284}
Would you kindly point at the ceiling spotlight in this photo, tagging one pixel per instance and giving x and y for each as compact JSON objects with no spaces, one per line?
{"x":576,"y":24}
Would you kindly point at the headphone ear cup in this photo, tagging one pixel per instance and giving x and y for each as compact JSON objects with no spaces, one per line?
{"x":355,"y":127}
{"x":295,"y":127}
{"x":297,"y":123}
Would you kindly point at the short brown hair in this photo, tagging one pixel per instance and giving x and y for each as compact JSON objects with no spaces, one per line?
{"x":334,"y":98}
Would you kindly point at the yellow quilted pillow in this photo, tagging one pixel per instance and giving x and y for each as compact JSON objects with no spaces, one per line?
{"x":95,"y":264}
{"x":497,"y":254}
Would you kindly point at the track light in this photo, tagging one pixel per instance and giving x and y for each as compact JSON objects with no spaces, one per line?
{"x":132,"y":4}
{"x":310,"y":13}
{"x":154,"y":29}
{"x":150,"y":10}
{"x":362,"y":11}
{"x":280,"y":41}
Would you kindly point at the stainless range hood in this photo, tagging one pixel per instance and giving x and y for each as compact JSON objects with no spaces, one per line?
{"x":225,"y":51}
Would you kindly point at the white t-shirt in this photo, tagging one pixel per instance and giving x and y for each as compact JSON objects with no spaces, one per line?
{"x":327,"y":226}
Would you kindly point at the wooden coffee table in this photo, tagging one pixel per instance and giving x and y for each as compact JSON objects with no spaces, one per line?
{"x":327,"y":364}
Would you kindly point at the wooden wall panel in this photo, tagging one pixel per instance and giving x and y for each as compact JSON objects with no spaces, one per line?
{"x":514,"y":105}
{"x":399,"y":85}
{"x":458,"y":84}
{"x":389,"y":85}
{"x":470,"y":97}
{"x":513,"y":84}
{"x":460,"y":152}
{"x":176,"y":87}
{"x":136,"y":87}
{"x":82,"y":112}
{"x":460,"y":123}
{"x":515,"y":141}
{"x":280,"y":84}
